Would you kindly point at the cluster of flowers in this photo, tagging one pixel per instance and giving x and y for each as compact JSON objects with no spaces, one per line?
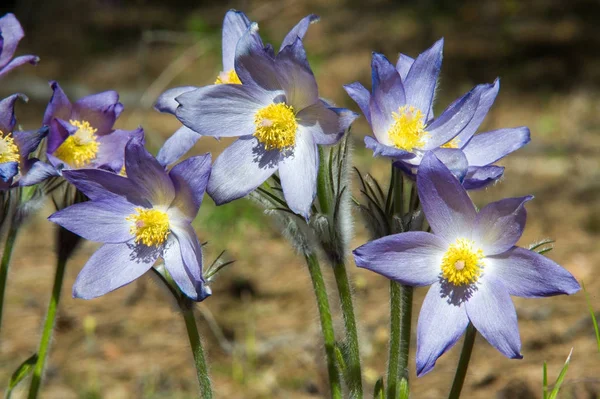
{"x":141,"y":207}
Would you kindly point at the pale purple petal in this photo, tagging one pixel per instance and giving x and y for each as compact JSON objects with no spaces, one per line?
{"x":421,"y":80}
{"x":222,"y":110}
{"x":190,"y":178}
{"x":487,"y":95}
{"x":480,"y":177}
{"x":295,"y":76}
{"x":29,"y":140}
{"x":528,"y":274}
{"x":235,"y":24}
{"x":486,"y":148}
{"x":447,"y":206}
{"x":8,"y":170}
{"x":455,"y":160}
{"x":11,"y":33}
{"x":299,"y":31}
{"x":253,"y":64}
{"x":17,"y":62}
{"x":60,"y":130}
{"x":37,"y":171}
{"x":7,"y":112}
{"x":388,"y":96}
{"x":59,"y":106}
{"x":146,"y":173}
{"x":403,"y":65}
{"x":100,"y":110}
{"x":177,"y":145}
{"x":499,"y":225}
{"x":101,"y":221}
{"x":113,"y":266}
{"x":493,"y":314}
{"x":298,"y":173}
{"x":186,"y":269}
{"x":166,"y":101}
{"x":111,"y":152}
{"x":411,"y":258}
{"x":240,"y":168}
{"x":326,"y":125}
{"x":361,"y":97}
{"x":452,"y":121}
{"x":386,"y":150}
{"x":441,"y":324}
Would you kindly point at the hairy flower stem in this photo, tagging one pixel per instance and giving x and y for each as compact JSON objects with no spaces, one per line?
{"x":8,"y":248}
{"x":400,"y":298}
{"x":463,"y":362}
{"x":327,"y":200}
{"x":197,"y":351}
{"x":44,"y":347}
{"x":316,"y":276}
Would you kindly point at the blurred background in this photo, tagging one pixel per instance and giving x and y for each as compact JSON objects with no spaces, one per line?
{"x":260,"y":327}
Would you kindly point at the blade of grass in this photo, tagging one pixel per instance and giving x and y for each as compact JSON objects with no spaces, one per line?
{"x":594,"y":321}
{"x":561,"y":377}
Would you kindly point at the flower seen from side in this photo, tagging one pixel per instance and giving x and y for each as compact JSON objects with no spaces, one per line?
{"x":11,"y":34}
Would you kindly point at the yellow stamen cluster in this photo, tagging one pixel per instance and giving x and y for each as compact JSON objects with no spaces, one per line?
{"x":276,"y":126}
{"x":228,"y":77}
{"x":150,"y":226}
{"x":123,"y":171}
{"x":454,"y":143}
{"x":462,"y":262}
{"x":408,"y":131}
{"x":80,"y":148}
{"x":9,"y":152}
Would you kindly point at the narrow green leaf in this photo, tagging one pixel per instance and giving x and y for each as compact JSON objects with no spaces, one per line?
{"x":20,"y":373}
{"x":561,"y":377}
{"x":340,"y":359}
{"x":594,"y":321}
{"x":379,"y":389}
{"x":534,"y":246}
{"x":545,"y":381}
{"x":403,"y":391}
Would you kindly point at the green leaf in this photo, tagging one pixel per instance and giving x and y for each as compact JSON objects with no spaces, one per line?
{"x":594,"y":321}
{"x":20,"y":373}
{"x":403,"y":389}
{"x":545,"y":380}
{"x":561,"y":377}
{"x":378,"y":391}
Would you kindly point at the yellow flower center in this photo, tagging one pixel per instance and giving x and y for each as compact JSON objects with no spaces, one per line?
{"x":80,"y":148}
{"x":150,"y":226}
{"x":462,"y":262}
{"x":228,"y":77}
{"x":123,"y":171}
{"x":276,"y":126}
{"x":454,"y":143}
{"x":408,"y":131}
{"x":9,"y":152}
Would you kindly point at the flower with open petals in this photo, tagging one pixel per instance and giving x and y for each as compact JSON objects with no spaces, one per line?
{"x":235,"y":24}
{"x":82,"y":136}
{"x":471,"y":263}
{"x":279,"y":119}
{"x":15,"y":145}
{"x":139,"y":218}
{"x":400,"y":112}
{"x":11,"y":34}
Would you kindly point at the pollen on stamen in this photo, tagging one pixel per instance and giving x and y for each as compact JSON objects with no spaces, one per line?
{"x":408,"y":131}
{"x":276,"y":126}
{"x":80,"y":148}
{"x":150,"y":226}
{"x":9,"y":152}
{"x":454,"y":143}
{"x":462,"y":263}
{"x":228,"y":77}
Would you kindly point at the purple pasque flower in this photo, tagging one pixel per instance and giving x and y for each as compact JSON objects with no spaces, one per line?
{"x":235,"y":24}
{"x":400,"y":112}
{"x":15,"y":145}
{"x":139,"y":218}
{"x":11,"y":34}
{"x":471,"y":263}
{"x":82,"y":135}
{"x":279,"y":119}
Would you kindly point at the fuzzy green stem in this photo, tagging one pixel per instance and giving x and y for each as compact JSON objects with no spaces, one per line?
{"x":197,"y":351}
{"x":394,"y":347}
{"x":44,"y":347}
{"x":345,"y":292}
{"x":8,"y":248}
{"x":316,"y":276}
{"x":463,"y":362}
